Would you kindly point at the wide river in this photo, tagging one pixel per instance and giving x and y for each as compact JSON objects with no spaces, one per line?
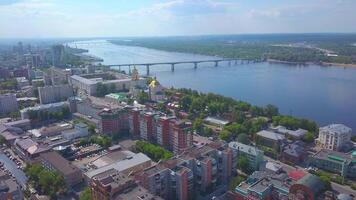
{"x":324,"y":94}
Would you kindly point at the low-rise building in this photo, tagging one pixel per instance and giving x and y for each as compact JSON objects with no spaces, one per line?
{"x":80,"y":130}
{"x":334,"y":136}
{"x":294,"y":134}
{"x":130,"y":164}
{"x":269,"y":139}
{"x":263,"y":185}
{"x":294,"y":153}
{"x":336,"y":162}
{"x":53,"y":161}
{"x":24,"y":124}
{"x":22,"y":82}
{"x":28,"y":149}
{"x":116,"y":185}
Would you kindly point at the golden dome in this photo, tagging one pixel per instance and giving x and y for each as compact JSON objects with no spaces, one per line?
{"x":154,"y":83}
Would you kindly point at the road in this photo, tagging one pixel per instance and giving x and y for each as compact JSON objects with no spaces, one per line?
{"x":12,"y":167}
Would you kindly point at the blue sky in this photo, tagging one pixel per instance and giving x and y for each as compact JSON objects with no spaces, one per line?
{"x":105,"y":18}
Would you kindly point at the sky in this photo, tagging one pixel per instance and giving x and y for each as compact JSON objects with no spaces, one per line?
{"x":118,"y":18}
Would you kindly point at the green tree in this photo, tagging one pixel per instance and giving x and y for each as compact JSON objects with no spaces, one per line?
{"x":91,"y":129}
{"x":327,"y":181}
{"x":198,"y":125}
{"x":243,"y":164}
{"x":225,"y":135}
{"x":143,"y":97}
{"x":243,"y":138}
{"x":236,"y":181}
{"x":309,"y":137}
{"x":271,"y":110}
{"x":86,"y":194}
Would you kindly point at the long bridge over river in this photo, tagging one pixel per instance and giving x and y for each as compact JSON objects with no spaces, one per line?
{"x":195,"y":63}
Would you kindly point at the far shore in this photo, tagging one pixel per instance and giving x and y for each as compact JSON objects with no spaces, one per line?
{"x":308,"y":63}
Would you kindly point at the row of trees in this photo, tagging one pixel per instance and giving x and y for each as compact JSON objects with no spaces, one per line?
{"x":104,"y":141}
{"x":201,"y":104}
{"x":102,"y":89}
{"x":46,"y":115}
{"x":155,"y":152}
{"x":45,"y":181}
{"x":246,"y":119}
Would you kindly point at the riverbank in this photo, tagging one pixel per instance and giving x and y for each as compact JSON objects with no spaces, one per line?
{"x":311,"y":63}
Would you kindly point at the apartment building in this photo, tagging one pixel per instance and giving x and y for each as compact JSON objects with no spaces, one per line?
{"x":252,"y":153}
{"x":8,"y":104}
{"x":56,"y":93}
{"x":334,"y":136}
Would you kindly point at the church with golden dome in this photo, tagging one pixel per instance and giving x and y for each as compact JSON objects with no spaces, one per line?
{"x":156,"y":90}
{"x":136,"y":83}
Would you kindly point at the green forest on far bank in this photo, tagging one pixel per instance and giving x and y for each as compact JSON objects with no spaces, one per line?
{"x":300,"y":48}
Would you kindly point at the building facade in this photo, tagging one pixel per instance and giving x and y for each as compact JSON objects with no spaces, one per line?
{"x":253,"y":154}
{"x":54,"y":161}
{"x":56,"y":93}
{"x":8,"y":104}
{"x":334,"y":136}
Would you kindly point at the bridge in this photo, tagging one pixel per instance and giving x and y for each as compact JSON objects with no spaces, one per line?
{"x":195,"y":63}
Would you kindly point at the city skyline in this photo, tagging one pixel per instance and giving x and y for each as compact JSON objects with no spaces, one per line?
{"x":54,"y":18}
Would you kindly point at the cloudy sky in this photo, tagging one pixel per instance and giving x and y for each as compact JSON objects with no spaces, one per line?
{"x":105,"y":18}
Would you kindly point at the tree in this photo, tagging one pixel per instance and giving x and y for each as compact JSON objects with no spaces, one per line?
{"x":91,"y":129}
{"x":309,"y":137}
{"x":327,"y":181}
{"x":2,"y":140}
{"x":225,"y":135}
{"x":46,"y":181}
{"x":271,"y":110}
{"x":243,"y":164}
{"x":198,"y":125}
{"x":236,"y":181}
{"x":243,"y":138}
{"x":101,"y":90}
{"x":86,"y":194}
{"x":142,"y":97}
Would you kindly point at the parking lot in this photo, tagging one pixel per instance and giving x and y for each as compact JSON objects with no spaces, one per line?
{"x":8,"y":165}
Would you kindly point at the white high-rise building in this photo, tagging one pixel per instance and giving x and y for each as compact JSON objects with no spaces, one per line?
{"x":334,"y":136}
{"x":53,"y":94}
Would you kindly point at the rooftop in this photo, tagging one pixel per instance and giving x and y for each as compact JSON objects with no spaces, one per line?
{"x":334,"y":156}
{"x":244,"y":148}
{"x":216,"y":120}
{"x":270,"y":135}
{"x":60,"y":163}
{"x":336,"y":128}
{"x":120,"y":165}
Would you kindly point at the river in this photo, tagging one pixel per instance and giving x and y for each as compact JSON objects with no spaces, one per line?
{"x":324,"y":94}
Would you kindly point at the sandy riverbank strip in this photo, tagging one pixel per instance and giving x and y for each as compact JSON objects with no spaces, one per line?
{"x":308,"y":63}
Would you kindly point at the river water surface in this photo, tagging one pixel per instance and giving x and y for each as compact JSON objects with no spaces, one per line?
{"x":324,"y":94}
